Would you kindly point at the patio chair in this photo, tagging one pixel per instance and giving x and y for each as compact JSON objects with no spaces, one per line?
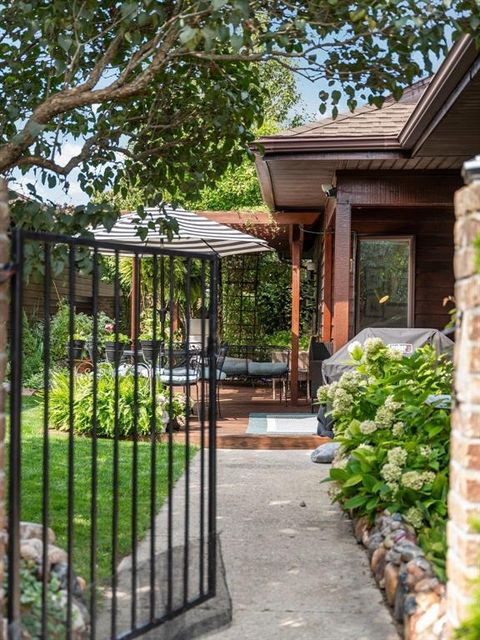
{"x":220,"y":376}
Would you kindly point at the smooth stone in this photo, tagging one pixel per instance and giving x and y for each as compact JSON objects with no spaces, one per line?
{"x":56,"y":555}
{"x":375,"y":541}
{"x":394,"y":556}
{"x":398,"y":607}
{"x":409,"y":604}
{"x":427,"y":619}
{"x":391,"y":582}
{"x":426,"y":584}
{"x":388,"y":543}
{"x":30,"y":551}
{"x":325,"y":453}
{"x":360,"y":526}
{"x":32,"y":530}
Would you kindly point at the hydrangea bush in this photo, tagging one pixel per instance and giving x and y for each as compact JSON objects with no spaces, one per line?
{"x":394,"y":441}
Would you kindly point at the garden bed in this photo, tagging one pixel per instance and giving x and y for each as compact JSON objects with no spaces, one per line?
{"x":394,"y":458}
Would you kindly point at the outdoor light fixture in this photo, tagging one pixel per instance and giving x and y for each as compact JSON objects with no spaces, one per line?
{"x":329,"y":190}
{"x":470,"y":170}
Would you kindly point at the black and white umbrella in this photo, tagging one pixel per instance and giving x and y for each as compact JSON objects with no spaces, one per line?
{"x":195,"y":233}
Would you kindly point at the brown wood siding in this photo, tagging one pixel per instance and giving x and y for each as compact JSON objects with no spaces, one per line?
{"x":33,"y":295}
{"x":432,"y":229}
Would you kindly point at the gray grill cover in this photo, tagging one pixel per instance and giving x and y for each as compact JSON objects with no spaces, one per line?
{"x":410,"y":339}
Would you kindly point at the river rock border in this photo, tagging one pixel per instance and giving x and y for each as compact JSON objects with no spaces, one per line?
{"x":400,"y":568}
{"x":31,"y":556}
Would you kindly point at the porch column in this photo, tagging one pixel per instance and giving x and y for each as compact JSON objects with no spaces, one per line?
{"x":327,"y":286}
{"x":341,"y":276}
{"x":296,"y":242}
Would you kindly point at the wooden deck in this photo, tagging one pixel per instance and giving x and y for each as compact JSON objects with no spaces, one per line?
{"x":236,"y":403}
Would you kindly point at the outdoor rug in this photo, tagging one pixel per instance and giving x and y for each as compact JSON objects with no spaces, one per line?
{"x":283,"y":423}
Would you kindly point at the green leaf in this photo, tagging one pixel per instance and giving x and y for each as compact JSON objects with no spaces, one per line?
{"x":355,"y":502}
{"x":353,"y":480}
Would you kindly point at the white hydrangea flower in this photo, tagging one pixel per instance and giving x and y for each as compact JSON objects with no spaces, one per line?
{"x":342,"y":402}
{"x":413,"y":480}
{"x":366,"y":447}
{"x":371,"y":346}
{"x":397,"y":456}
{"x":428,"y":477}
{"x":350,"y":381}
{"x":426,"y":450}
{"x":398,"y":428}
{"x":394,"y":354}
{"x":386,"y":413}
{"x":415,"y":517}
{"x":355,"y":349}
{"x":391,"y":472}
{"x":367,"y":427}
{"x":393,"y":486}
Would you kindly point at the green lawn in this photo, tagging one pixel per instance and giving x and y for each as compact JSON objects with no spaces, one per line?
{"x":32,"y":465}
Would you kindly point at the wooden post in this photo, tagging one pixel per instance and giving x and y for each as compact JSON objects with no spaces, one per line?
{"x":341,"y":276}
{"x":327,"y":287}
{"x":296,"y":242}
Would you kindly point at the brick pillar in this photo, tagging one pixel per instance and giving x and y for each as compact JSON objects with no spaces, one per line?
{"x":4,"y":257}
{"x":464,"y":496}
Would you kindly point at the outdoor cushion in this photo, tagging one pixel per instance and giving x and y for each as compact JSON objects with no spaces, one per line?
{"x":221,"y":375}
{"x":235,"y":366}
{"x":179,"y":380}
{"x":177,"y":375}
{"x":267,"y":369}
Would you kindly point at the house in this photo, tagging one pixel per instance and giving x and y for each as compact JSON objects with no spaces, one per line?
{"x":382,"y":182}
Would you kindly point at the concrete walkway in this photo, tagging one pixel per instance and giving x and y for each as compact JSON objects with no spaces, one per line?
{"x":293,"y":567}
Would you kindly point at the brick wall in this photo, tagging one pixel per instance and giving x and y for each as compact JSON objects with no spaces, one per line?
{"x":464,"y":497}
{"x":4,"y":257}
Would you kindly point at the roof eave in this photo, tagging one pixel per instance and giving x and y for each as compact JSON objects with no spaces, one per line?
{"x":294,"y":144}
{"x":453,"y":68}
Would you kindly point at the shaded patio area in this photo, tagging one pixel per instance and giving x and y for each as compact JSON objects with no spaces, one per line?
{"x":237,"y":402}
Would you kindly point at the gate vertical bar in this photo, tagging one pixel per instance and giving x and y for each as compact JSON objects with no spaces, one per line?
{"x":171,"y":292}
{"x":71,"y":440}
{"x":14,"y":490}
{"x":153,"y":441}
{"x":115,"y":473}
{"x":94,"y":478}
{"x":203,"y":281}
{"x":135,"y":334}
{"x":212,"y":406}
{"x":186,"y":551}
{"x":46,"y":479}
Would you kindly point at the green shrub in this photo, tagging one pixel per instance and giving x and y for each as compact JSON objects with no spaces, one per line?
{"x":83,"y":329}
{"x":83,"y":403}
{"x":395,"y":445}
{"x":32,"y":348}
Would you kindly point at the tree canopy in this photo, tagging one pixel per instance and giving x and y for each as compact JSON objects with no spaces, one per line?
{"x":169,"y":92}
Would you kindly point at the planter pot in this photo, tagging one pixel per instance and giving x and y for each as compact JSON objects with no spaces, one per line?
{"x":151,"y":350}
{"x":114,"y":352}
{"x":76,"y":348}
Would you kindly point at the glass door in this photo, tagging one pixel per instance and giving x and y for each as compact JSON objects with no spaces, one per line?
{"x":384,"y":282}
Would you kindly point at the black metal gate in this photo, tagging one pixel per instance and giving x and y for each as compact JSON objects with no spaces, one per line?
{"x":117,"y":546}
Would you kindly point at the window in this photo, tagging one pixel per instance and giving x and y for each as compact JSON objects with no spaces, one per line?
{"x":384,"y":291}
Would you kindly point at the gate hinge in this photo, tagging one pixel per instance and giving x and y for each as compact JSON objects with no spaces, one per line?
{"x":7,"y":269}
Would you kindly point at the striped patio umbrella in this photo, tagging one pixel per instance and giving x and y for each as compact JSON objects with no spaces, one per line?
{"x":195,"y":233}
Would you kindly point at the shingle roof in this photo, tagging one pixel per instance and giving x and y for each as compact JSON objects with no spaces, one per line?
{"x":365,"y":121}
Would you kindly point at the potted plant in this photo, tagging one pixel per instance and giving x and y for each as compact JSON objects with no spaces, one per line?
{"x":77,"y":346}
{"x":150,"y":348}
{"x":114,"y":344}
